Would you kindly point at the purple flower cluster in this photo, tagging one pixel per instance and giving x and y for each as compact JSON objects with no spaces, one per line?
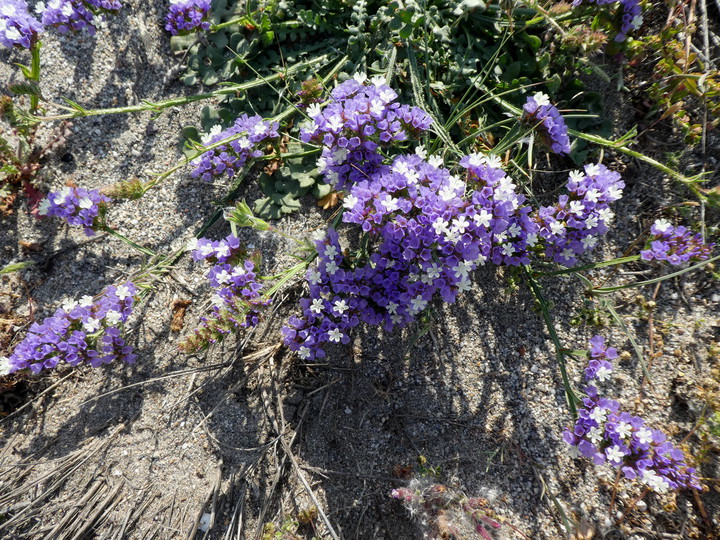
{"x":17,"y":26}
{"x":548,"y":122}
{"x":87,"y":331}
{"x":186,"y":16}
{"x":675,"y":245}
{"x":238,"y":300}
{"x":605,"y":433}
{"x":228,"y":158}
{"x":574,"y":224}
{"x":77,"y":206}
{"x":74,"y":15}
{"x":359,"y":121}
{"x":428,"y":230}
{"x":631,"y":15}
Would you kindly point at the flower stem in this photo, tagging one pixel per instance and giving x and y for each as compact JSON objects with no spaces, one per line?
{"x":591,"y":266}
{"x":34,"y":73}
{"x":116,"y":234}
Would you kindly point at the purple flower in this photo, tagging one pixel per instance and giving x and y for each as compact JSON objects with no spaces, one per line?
{"x":228,"y":158}
{"x":74,"y":15}
{"x":85,"y":331}
{"x":17,"y":26}
{"x":675,"y":245}
{"x":77,"y":206}
{"x":549,"y":123}
{"x":186,"y":16}
{"x":605,"y":433}
{"x":631,"y":16}
{"x":238,"y":300}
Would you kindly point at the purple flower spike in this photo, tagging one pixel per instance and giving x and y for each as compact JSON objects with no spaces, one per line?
{"x":77,"y":206}
{"x":74,"y":15}
{"x":548,"y":121}
{"x":606,"y":434}
{"x":17,"y":27}
{"x":631,"y":16}
{"x":675,"y":245}
{"x":85,"y":331}
{"x":186,"y":16}
{"x":229,"y":158}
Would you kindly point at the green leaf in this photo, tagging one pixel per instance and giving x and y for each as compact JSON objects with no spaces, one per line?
{"x":182,"y":43}
{"x":27,"y":88}
{"x":406,"y":31}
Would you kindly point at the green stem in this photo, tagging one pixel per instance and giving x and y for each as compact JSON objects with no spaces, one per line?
{"x":174,"y":102}
{"x":34,"y":73}
{"x":591,"y":266}
{"x":116,"y":234}
{"x":608,"y":290}
{"x":571,"y":398}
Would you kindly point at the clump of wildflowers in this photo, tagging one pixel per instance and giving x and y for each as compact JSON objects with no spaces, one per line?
{"x":448,"y":513}
{"x":238,"y":300}
{"x":359,"y":120}
{"x":573,"y":225}
{"x":74,"y":15}
{"x":631,"y":15}
{"x":87,"y":331}
{"x":186,"y":16}
{"x":77,"y":206}
{"x":548,"y":122}
{"x":606,"y":434}
{"x":18,"y":28}
{"x":228,"y":158}
{"x":676,"y":245}
{"x":427,"y":231}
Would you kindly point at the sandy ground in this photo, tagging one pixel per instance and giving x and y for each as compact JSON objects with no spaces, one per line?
{"x":248,"y":434}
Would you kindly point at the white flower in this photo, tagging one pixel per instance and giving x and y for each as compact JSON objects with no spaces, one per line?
{"x":464,"y":284}
{"x":335,"y":123}
{"x":376,"y":107}
{"x":339,"y":156}
{"x":589,"y":241}
{"x":313,"y":111}
{"x":462,"y":269}
{"x":317,"y":306}
{"x":420,"y":151}
{"x":206,"y":250}
{"x":557,"y":227}
{"x":595,"y":435}
{"x":418,"y":304}
{"x":91,"y":325}
{"x":643,"y":435}
{"x":476,"y":160}
{"x":350,"y":201}
{"x":313,"y":277}
{"x":388,"y":95}
{"x":435,"y":161}
{"x":68,"y":305}
{"x":576,"y":176}
{"x":113,"y":317}
{"x":335,"y":335}
{"x":532,"y":239}
{"x":514,"y":230}
{"x":123,"y":291}
{"x":614,"y":453}
{"x":623,"y":429}
{"x":360,"y":77}
{"x":4,"y":365}
{"x":341,"y":306}
{"x":392,"y":308}
{"x":603,"y":373}
{"x":389,"y":203}
{"x":223,"y":277}
{"x":576,"y":207}
{"x":574,"y":452}
{"x":606,"y":215}
{"x":591,"y":221}
{"x":662,"y":225}
{"x":592,"y":169}
{"x":86,"y":301}
{"x":304,"y":353}
{"x":207,"y":137}
{"x":238,"y":271}
{"x":508,"y":249}
{"x":39,"y":8}
{"x":598,"y":414}
{"x":483,"y":218}
{"x":541,"y":99}
{"x":614,"y":193}
{"x":330,"y":251}
{"x":567,"y":254}
{"x":378,"y":80}
{"x":655,"y":481}
{"x":331,"y":268}
{"x":192,"y":244}
{"x":223,"y":250}
{"x":44,"y":207}
{"x":8,"y":11}
{"x":636,"y":22}
{"x":593,"y":195}
{"x":461,"y":224}
{"x":492,"y":160}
